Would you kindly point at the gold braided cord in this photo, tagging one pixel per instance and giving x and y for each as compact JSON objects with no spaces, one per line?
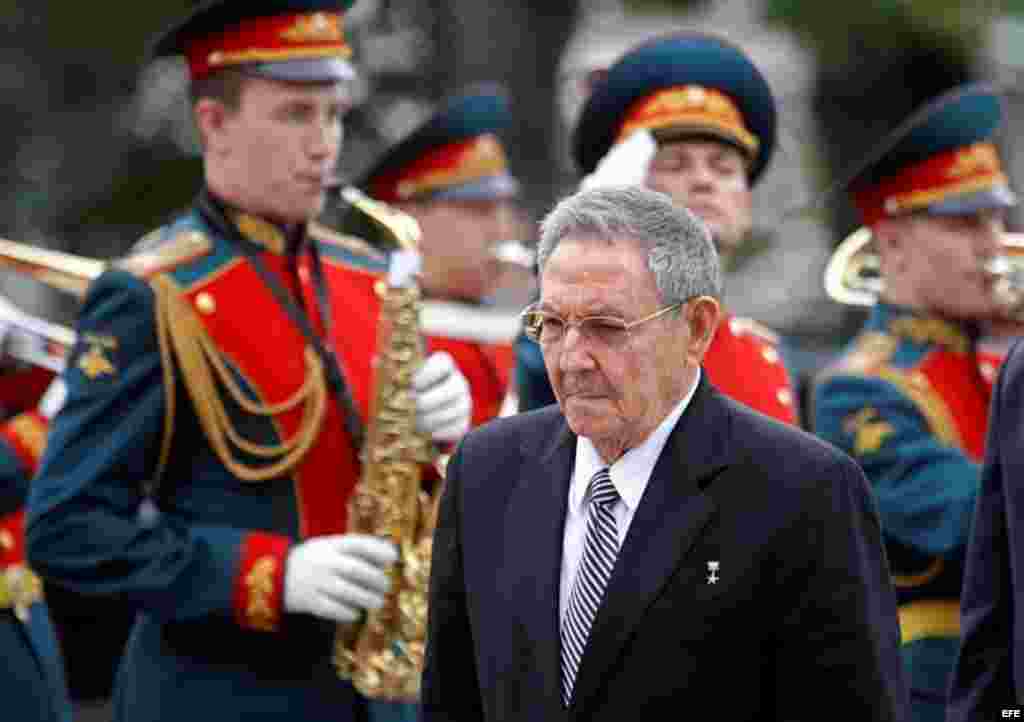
{"x":166,"y":361}
{"x":202,"y":364}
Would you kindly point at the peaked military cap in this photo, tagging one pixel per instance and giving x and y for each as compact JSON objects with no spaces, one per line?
{"x":456,"y":154}
{"x":942,"y":160}
{"x":680,"y":85}
{"x":295,"y":40}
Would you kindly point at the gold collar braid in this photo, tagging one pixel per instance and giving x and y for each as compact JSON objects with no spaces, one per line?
{"x":181,"y":333}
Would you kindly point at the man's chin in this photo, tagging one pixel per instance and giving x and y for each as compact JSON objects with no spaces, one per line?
{"x":588,"y":417}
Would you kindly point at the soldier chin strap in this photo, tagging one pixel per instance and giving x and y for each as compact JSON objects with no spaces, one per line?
{"x":184,"y":342}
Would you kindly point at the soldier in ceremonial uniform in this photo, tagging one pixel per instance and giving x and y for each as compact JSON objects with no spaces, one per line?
{"x":906,"y":399}
{"x":712,"y":118}
{"x":32,"y":684}
{"x":203,"y":462}
{"x":451,"y":174}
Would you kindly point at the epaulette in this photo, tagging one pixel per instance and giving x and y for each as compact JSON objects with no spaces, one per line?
{"x":870,"y":351}
{"x":182,"y":247}
{"x":743,"y":326}
{"x":352,"y":244}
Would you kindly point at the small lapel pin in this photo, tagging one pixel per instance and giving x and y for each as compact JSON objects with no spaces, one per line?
{"x":713,"y":571}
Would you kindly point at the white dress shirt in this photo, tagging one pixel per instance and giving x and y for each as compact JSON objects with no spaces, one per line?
{"x":630,"y":474}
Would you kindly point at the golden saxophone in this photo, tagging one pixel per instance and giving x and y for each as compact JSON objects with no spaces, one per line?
{"x":383,"y":654}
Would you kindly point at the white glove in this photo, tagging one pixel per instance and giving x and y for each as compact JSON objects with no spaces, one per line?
{"x":339,"y":576}
{"x":53,"y":398}
{"x":626,"y":163}
{"x":444,"y":404}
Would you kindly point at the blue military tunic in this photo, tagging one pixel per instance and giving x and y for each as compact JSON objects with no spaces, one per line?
{"x":212,"y":640}
{"x":907,"y":400}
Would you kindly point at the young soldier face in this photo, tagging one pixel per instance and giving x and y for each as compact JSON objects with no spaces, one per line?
{"x":275,"y":154}
{"x":459,"y":237}
{"x":937,"y":263}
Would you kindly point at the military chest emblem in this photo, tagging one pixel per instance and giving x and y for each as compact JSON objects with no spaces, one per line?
{"x":869,"y":431}
{"x":95,"y":361}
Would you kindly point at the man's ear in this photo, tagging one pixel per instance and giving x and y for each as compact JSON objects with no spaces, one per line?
{"x":210,"y":117}
{"x":703,"y":316}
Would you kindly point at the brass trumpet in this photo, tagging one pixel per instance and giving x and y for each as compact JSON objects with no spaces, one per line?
{"x":853,"y":274}
{"x":34,"y":340}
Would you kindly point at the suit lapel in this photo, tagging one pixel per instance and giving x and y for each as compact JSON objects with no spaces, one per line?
{"x":534,"y":527}
{"x":670,"y":517}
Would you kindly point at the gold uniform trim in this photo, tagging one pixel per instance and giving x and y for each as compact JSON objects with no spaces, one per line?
{"x":260,"y":231}
{"x":183,"y":338}
{"x":353,"y":244}
{"x":180,"y":248}
{"x":31,"y":431}
{"x":259,"y":582}
{"x":929,"y":619}
{"x":920,"y":199}
{"x":268,"y":55}
{"x":924,"y":331}
{"x":916,"y":387}
{"x":919,"y":579}
{"x":20,"y":588}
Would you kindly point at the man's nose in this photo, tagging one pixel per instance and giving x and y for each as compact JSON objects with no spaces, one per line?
{"x":700,"y":176}
{"x":325,"y":139}
{"x":989,"y":236}
{"x":575,"y":351}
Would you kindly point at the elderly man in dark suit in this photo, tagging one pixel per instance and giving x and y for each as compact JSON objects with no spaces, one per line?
{"x":647,"y":541}
{"x":987,"y":677}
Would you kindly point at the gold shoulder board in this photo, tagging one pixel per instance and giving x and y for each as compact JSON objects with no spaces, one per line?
{"x":176,"y":250}
{"x":871,"y":350}
{"x":352,"y":244}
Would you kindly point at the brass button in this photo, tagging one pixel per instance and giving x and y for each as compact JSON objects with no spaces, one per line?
{"x":770,"y":355}
{"x":785,"y":397}
{"x":6,"y":540}
{"x":205,"y":303}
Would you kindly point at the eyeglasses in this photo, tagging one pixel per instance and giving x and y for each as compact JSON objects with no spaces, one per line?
{"x":547,"y":328}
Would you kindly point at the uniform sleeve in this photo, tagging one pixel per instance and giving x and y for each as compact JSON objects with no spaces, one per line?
{"x":982,"y":680}
{"x":22,"y":439}
{"x":925,"y":487}
{"x":531,"y":377}
{"x":84,"y":530}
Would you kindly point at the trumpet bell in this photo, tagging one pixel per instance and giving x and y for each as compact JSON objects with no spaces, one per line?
{"x":853,"y":275}
{"x":1007,"y":271}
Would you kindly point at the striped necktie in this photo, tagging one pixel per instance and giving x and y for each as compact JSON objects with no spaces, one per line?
{"x":599,"y":551}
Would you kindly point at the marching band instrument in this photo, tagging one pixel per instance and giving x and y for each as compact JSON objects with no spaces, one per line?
{"x":853,"y":273}
{"x":35,"y":340}
{"x":383,"y":654}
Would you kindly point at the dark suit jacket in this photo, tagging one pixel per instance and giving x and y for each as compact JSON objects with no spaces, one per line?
{"x":989,"y":673}
{"x":801,"y":624}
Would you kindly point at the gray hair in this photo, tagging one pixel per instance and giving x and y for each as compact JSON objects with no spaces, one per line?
{"x":679,"y":248}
